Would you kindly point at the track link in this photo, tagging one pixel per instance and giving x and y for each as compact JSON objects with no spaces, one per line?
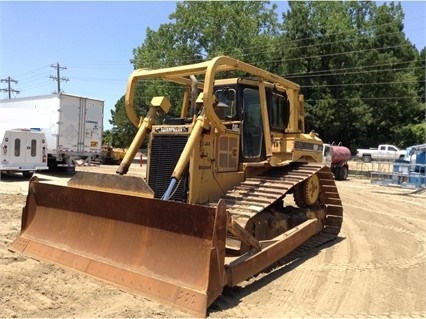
{"x":257,"y":194}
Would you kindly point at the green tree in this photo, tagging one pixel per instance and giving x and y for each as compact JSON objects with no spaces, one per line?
{"x":415,"y":132}
{"x":242,"y":29}
{"x":362,"y":79}
{"x":420,"y":72}
{"x":392,"y":95}
{"x":355,"y":66}
{"x":123,"y":131}
{"x":107,"y":137}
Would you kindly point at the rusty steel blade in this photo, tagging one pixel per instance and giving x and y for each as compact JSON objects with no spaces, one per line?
{"x":168,"y":251}
{"x":130,"y":185}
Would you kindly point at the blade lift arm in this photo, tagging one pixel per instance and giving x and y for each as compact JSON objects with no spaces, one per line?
{"x":157,"y":103}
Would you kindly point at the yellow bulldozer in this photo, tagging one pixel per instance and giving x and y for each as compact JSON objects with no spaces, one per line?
{"x":232,"y":186}
{"x":112,"y":155}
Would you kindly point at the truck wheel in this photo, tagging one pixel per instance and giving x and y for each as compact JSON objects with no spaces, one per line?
{"x":52,"y":163}
{"x":27,"y":174}
{"x":336,"y":173}
{"x":343,"y":173}
{"x":366,"y":158}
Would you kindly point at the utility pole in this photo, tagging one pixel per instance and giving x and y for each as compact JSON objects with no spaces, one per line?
{"x":9,"y":89}
{"x":58,"y":77}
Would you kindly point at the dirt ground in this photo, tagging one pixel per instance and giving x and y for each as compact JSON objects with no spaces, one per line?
{"x":376,"y":268}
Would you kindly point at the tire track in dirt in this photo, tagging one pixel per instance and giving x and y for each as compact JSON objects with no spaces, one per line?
{"x":286,"y":286}
{"x":326,"y":298}
{"x":397,"y":263}
{"x":394,"y":233}
{"x":393,"y":217}
{"x":418,"y":220}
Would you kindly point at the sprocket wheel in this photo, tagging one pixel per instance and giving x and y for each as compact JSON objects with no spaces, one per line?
{"x":307,"y":193}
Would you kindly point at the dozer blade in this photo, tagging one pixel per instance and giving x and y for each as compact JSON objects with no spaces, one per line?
{"x":167,"y":251}
{"x":130,"y":185}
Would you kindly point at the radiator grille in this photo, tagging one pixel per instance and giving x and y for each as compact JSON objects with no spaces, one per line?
{"x":165,"y":153}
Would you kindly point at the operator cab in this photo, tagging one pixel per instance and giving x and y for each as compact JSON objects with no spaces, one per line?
{"x":239,"y":100}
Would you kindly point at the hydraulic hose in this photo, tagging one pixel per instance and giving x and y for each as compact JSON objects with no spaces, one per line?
{"x":169,"y":190}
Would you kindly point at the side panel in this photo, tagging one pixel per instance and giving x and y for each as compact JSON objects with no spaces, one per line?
{"x":69,"y":124}
{"x":81,"y":123}
{"x":93,"y":126}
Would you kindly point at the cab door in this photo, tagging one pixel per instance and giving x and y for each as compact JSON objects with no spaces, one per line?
{"x":252,"y":137}
{"x":25,"y":148}
{"x":17,"y":149}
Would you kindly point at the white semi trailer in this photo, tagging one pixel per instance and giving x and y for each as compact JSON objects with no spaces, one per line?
{"x":73,"y":125}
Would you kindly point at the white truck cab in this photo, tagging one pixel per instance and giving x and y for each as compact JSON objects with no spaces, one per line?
{"x":23,"y":150}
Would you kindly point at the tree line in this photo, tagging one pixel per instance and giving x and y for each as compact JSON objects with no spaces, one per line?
{"x":363,"y":81}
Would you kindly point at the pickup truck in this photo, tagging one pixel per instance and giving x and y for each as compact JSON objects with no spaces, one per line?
{"x":384,"y":152}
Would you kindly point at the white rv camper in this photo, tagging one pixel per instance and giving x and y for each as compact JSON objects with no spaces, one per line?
{"x":23,"y":150}
{"x":72,"y":124}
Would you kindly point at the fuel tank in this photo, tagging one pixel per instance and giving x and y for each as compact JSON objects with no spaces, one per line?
{"x":340,"y":154}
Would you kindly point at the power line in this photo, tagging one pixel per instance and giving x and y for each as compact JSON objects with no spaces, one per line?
{"x":332,"y":73}
{"x":9,"y":89}
{"x":358,"y":84}
{"x":58,"y":77}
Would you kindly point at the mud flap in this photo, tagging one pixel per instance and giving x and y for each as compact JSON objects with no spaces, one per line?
{"x":167,"y":251}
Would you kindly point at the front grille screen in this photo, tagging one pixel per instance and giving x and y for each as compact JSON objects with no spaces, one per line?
{"x":165,"y":153}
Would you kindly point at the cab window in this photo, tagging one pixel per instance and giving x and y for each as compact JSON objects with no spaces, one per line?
{"x":227,"y":102}
{"x":252,"y":138}
{"x":279,"y":112}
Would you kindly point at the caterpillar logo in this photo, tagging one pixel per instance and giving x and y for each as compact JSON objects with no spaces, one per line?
{"x":171,"y":129}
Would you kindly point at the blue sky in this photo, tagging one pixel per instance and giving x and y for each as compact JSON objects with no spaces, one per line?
{"x":95,"y":42}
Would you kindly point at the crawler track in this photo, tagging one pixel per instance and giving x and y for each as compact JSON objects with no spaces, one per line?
{"x":257,"y":194}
